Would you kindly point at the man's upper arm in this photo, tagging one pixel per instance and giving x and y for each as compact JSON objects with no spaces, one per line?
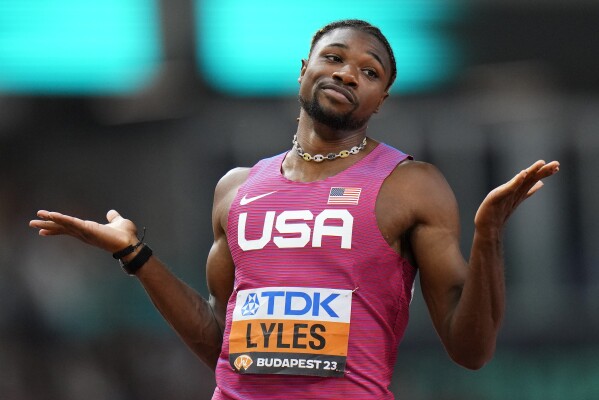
{"x":435,"y":244}
{"x":220,"y":269}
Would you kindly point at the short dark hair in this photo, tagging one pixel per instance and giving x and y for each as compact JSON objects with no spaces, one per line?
{"x":363,"y":26}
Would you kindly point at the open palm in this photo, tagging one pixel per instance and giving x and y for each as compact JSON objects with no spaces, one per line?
{"x":501,"y":202}
{"x":117,"y":234}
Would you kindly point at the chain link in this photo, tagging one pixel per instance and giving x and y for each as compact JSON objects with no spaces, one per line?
{"x":331,"y":156}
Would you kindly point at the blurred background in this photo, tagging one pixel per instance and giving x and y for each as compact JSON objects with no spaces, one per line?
{"x":142,"y":105}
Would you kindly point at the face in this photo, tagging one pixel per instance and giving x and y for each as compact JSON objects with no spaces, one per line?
{"x":345,"y":79}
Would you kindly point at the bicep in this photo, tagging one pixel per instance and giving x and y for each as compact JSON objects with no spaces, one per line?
{"x":220,"y":268}
{"x":435,"y":246}
{"x":220,"y":271}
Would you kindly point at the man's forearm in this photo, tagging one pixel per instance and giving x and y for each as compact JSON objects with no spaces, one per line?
{"x":190,"y":315}
{"x":478,"y":315}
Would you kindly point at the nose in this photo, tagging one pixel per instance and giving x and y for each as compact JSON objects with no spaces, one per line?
{"x":347,"y":75}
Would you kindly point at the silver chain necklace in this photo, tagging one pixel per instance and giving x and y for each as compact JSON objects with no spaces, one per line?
{"x":330,"y":156}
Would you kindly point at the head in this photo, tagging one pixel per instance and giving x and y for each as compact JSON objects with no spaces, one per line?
{"x":364,"y":27}
{"x":347,"y":75}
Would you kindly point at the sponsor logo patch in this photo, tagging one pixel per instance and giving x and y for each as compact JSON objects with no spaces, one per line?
{"x":290,"y":330}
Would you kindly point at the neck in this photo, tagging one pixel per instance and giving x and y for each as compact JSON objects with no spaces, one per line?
{"x":316,"y":138}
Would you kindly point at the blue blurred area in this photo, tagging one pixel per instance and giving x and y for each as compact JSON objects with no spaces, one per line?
{"x":255,"y":48}
{"x":150,"y":134}
{"x":113,"y":47}
{"x":78,"y":47}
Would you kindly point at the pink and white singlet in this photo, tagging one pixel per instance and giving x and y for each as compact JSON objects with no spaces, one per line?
{"x":320,"y":300}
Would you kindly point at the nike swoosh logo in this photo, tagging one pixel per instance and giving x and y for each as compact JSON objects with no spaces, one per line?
{"x":247,"y":200}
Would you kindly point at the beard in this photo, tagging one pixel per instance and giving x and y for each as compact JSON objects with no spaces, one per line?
{"x":337,"y":121}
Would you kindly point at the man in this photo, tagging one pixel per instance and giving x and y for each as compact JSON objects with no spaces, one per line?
{"x":315,"y":250}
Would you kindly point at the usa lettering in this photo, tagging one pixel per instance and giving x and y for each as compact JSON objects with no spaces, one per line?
{"x":290,"y":223}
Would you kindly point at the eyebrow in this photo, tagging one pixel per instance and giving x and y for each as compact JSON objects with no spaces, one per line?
{"x":372,"y":53}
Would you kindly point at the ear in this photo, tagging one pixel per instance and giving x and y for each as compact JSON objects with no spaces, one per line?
{"x":381,"y":101}
{"x":303,"y":70}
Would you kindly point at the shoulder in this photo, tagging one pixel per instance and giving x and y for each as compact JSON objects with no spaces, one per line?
{"x":231,"y":180}
{"x":225,"y":192}
{"x":420,"y":187}
{"x":415,"y":175}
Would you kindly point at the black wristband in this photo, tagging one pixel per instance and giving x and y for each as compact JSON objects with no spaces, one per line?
{"x":129,"y":249}
{"x":126,"y":251}
{"x":138,"y":261}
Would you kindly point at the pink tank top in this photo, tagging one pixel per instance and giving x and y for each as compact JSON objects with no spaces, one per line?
{"x":320,"y":300}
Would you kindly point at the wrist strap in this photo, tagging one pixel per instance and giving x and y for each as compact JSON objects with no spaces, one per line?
{"x":129,"y":249}
{"x":138,"y":261}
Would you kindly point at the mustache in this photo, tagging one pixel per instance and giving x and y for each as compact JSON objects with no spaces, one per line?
{"x":348,"y":93}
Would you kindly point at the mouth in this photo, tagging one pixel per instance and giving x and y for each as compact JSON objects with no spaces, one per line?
{"x":339,"y":93}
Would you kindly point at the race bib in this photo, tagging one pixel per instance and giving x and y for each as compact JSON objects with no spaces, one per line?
{"x":290,"y":330}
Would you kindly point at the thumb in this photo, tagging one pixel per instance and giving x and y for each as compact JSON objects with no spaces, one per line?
{"x":112,"y":215}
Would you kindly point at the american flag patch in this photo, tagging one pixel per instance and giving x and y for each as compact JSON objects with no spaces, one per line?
{"x":340,"y":195}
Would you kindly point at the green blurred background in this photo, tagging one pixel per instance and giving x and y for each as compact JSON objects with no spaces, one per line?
{"x":142,"y":105}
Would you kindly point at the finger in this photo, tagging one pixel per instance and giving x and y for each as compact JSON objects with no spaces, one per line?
{"x":514,"y":191}
{"x":525,"y":179}
{"x":538,"y":171}
{"x":515,"y":183}
{"x":43,"y":214}
{"x":43,"y":223}
{"x":543,"y":169}
{"x":537,"y":165}
{"x":37,"y":223}
{"x":554,"y":164}
{"x":64,"y":220}
{"x":530,"y":173}
{"x":533,"y":174}
{"x":54,"y":223}
{"x":534,"y":189}
{"x":548,"y":170}
{"x":51,"y":232}
{"x":543,"y":172}
{"x":47,"y":227}
{"x":112,"y":215}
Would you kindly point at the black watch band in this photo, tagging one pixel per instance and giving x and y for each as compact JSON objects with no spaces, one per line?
{"x":138,"y":261}
{"x":129,"y":249}
{"x":126,"y":251}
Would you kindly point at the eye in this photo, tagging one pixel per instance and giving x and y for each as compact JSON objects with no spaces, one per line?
{"x":333,"y":57}
{"x":370,"y":73}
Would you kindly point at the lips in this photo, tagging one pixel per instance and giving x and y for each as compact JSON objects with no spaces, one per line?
{"x":339,"y":92}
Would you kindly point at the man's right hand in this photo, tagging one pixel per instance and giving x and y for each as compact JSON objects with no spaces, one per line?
{"x":117,"y":234}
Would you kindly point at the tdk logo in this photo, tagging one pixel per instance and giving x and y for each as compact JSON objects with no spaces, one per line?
{"x":299,"y":303}
{"x":293,"y":303}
